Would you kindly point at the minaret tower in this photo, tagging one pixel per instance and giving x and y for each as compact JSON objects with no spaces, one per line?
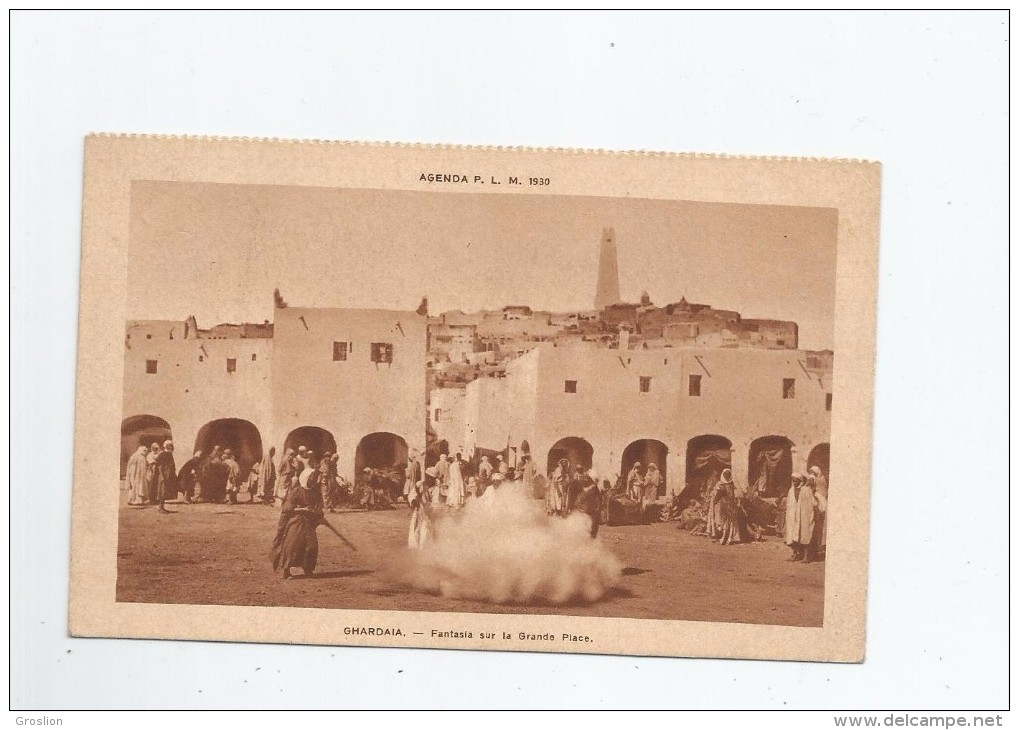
{"x":608,"y":271}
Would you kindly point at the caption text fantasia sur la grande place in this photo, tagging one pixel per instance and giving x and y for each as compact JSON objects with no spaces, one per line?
{"x":469,"y":634}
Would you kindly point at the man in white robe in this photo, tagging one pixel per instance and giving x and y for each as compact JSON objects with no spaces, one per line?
{"x":137,"y":467}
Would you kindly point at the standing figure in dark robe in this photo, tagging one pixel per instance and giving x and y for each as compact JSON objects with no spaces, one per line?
{"x":188,"y":476}
{"x":287,"y":473}
{"x":296,"y":544}
{"x":166,"y":476}
{"x":730,"y":517}
{"x":267,"y":479}
{"x":213,"y":477}
{"x":577,"y":484}
{"x":589,"y":501}
{"x":151,"y":479}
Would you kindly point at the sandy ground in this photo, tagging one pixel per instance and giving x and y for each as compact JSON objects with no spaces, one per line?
{"x":218,"y":554}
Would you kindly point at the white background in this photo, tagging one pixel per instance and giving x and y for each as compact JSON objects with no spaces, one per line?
{"x":925,"y":94}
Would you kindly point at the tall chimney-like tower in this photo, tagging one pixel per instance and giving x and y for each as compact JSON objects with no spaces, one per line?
{"x":608,"y":271}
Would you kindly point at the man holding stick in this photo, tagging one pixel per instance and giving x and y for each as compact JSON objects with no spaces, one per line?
{"x":296,"y":543}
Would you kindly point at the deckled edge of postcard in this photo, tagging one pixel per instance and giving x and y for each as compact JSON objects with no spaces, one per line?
{"x":113,"y":161}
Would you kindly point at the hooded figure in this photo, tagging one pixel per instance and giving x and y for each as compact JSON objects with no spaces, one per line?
{"x":456,"y":493}
{"x":728,"y":517}
{"x":288,"y":471}
{"x":188,"y":476}
{"x":137,"y":466}
{"x":589,"y":501}
{"x":799,"y":518}
{"x":442,"y":469}
{"x":233,"y":476}
{"x":555,"y":497}
{"x":413,"y":476}
{"x":296,"y":544}
{"x":151,"y":487}
{"x":267,"y":478}
{"x":212,"y":475}
{"x":485,"y":470}
{"x":821,"y":497}
{"x":420,"y":532}
{"x":527,"y":474}
{"x":635,"y":484}
{"x":166,"y":475}
{"x":652,"y":483}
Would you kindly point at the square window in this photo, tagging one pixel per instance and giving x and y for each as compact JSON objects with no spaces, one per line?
{"x":827,"y":401}
{"x":788,"y":388}
{"x":645,"y":384}
{"x":695,"y":386}
{"x":340,"y":350}
{"x":571,"y":386}
{"x":231,"y":365}
{"x":382,"y":352}
{"x":151,"y":366}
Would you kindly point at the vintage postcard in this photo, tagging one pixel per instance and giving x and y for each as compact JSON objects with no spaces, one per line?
{"x":475,"y":398}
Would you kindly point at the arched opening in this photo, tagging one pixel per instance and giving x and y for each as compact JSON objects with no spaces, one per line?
{"x":706,"y":457}
{"x":143,"y":430}
{"x":386,"y":454}
{"x":236,"y":434}
{"x":646,"y":451}
{"x":380,"y":450}
{"x":771,"y":465}
{"x":312,"y":438}
{"x":820,"y":456}
{"x":572,"y":448}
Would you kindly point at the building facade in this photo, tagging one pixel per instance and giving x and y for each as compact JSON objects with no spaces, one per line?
{"x":347,"y":381}
{"x":693,"y":411}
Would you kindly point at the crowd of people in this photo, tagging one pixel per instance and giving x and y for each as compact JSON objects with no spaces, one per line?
{"x":806,"y":516}
{"x":732,"y":514}
{"x":306,"y":484}
{"x":452,"y":483}
{"x":152,"y":475}
{"x":218,"y":477}
{"x":456,"y":480}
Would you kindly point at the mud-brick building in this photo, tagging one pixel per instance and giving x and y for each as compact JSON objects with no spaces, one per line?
{"x":347,"y":381}
{"x":693,"y":411}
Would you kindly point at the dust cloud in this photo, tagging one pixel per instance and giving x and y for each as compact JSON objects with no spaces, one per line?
{"x":503,"y":548}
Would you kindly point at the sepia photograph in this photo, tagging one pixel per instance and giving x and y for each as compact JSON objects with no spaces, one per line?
{"x":475,"y":398}
{"x":509,"y":360}
{"x":466,"y":402}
